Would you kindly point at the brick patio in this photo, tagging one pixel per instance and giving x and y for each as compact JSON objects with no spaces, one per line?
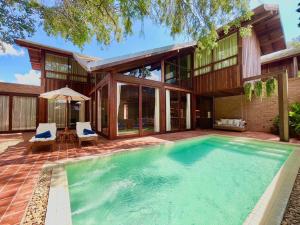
{"x":19,"y":171}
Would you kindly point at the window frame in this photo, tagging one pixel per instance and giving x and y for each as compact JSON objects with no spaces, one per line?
{"x":212,"y":64}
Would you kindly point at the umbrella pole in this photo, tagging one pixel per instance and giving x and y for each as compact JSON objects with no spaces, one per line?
{"x":67,"y":115}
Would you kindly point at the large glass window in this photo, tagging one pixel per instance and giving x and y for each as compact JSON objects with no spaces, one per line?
{"x":178,"y":70}
{"x":104,"y":109}
{"x":60,"y":67}
{"x":150,"y":110}
{"x":4,"y":113}
{"x":150,"y":72}
{"x":224,"y":55}
{"x":171,"y":71}
{"x":24,"y":113}
{"x":127,"y":97}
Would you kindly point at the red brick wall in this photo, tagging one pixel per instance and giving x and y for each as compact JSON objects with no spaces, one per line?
{"x":258,"y":114}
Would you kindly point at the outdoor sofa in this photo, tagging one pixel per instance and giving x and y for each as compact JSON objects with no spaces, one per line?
{"x":231,"y":124}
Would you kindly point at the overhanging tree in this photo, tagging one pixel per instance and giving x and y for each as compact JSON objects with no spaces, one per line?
{"x":79,"y":21}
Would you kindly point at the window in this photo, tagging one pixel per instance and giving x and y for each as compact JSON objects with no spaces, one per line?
{"x":56,"y":66}
{"x":24,"y":113}
{"x":4,"y":113}
{"x":171,"y":71}
{"x":202,"y":61}
{"x":56,"y":112}
{"x":185,"y":67}
{"x":127,"y":95}
{"x":150,"y":72}
{"x":178,"y":70}
{"x":150,"y":109}
{"x":178,"y":110}
{"x":224,"y":55}
{"x":60,"y":67}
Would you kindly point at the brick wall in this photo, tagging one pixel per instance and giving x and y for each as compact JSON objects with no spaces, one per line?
{"x":259,"y":114}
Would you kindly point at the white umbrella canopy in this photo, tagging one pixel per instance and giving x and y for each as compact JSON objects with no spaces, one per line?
{"x":65,"y":94}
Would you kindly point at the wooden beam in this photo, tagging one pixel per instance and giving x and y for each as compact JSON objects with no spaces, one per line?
{"x":283,"y":107}
{"x":295,"y":67}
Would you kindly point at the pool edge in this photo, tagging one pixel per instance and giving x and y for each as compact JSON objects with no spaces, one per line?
{"x":270,"y":208}
{"x":58,"y":196}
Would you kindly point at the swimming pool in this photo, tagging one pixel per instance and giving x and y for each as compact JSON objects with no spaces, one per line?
{"x":212,"y":180}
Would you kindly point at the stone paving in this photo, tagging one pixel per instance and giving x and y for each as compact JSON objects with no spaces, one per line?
{"x":19,"y":171}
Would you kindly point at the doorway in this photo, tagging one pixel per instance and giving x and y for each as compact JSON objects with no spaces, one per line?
{"x":204,"y":112}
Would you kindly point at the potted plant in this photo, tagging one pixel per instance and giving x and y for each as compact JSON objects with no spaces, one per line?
{"x":294,"y":118}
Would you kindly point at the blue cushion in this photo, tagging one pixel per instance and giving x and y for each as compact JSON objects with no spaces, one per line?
{"x":87,"y":132}
{"x":46,"y":134}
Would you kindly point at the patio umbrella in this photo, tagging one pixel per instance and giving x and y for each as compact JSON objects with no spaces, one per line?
{"x":66,"y":94}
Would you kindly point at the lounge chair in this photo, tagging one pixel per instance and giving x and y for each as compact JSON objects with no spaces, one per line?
{"x":43,"y":127}
{"x":80,"y":126}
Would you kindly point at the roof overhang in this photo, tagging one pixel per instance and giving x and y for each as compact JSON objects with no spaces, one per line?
{"x":267,"y":25}
{"x":280,"y":55}
{"x":35,"y":53}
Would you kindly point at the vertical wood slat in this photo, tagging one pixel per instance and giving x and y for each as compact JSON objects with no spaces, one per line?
{"x":283,"y":106}
{"x":220,"y":80}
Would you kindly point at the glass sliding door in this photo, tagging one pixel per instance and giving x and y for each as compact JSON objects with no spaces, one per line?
{"x":24,"y":113}
{"x":150,"y":110}
{"x":104,"y":110}
{"x":127,"y":109}
{"x":57,"y":112}
{"x":74,"y":113}
{"x":178,"y":111}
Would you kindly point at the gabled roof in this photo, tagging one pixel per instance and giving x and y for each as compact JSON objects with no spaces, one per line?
{"x":34,"y":51}
{"x":280,"y":55}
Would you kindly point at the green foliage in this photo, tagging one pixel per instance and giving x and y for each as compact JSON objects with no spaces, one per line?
{"x":200,"y":19}
{"x":17,"y":19}
{"x":258,"y":89}
{"x":248,"y":89}
{"x":294,"y":43}
{"x":294,"y":117}
{"x":294,"y":120}
{"x":106,"y":20}
{"x":271,"y":85}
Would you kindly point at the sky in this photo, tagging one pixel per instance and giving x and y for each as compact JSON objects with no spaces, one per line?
{"x":15,"y":66}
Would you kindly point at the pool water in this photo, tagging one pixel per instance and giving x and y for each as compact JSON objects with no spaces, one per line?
{"x":213,"y":180}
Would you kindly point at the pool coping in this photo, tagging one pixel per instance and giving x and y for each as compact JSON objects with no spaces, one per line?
{"x":269,"y":209}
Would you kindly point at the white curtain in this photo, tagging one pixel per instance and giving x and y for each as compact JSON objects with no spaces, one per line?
{"x":57,"y":112}
{"x":82,"y":112}
{"x":4,"y":113}
{"x":99,"y":111}
{"x":188,"y":111}
{"x":168,"y":111}
{"x":118,"y":103}
{"x":24,"y":113}
{"x":156,"y":111}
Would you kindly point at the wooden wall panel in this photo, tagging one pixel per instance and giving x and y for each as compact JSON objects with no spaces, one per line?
{"x":217,"y":81}
{"x":54,"y":84}
{"x":286,"y":64}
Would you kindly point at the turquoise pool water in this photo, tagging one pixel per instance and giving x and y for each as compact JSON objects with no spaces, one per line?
{"x":205,"y":181}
